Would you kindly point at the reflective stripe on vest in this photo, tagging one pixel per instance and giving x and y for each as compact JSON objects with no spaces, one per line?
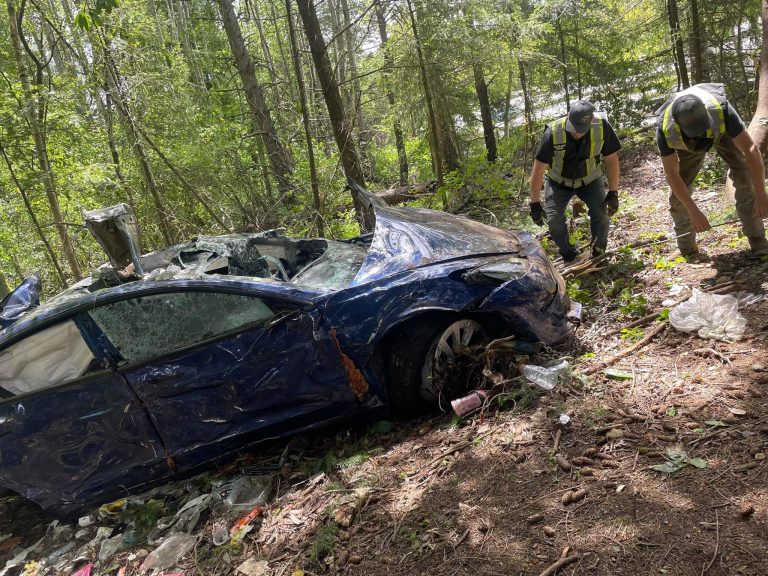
{"x":672,"y":133}
{"x":559,"y":137}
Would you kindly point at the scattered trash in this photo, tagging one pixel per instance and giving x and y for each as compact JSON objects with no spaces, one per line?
{"x":546,"y":377}
{"x":244,"y":493}
{"x":85,"y":521}
{"x":745,"y":298}
{"x":617,"y":374}
{"x":189,"y":515}
{"x":246,"y":520}
{"x":470,"y":402}
{"x":737,"y":411}
{"x":252,"y":567}
{"x":564,"y":420}
{"x":84,"y":571}
{"x":169,"y":552}
{"x":113,"y":508}
{"x":710,"y":315}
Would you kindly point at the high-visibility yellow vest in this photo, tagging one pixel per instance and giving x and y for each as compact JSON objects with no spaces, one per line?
{"x":594,"y":169}
{"x":672,"y":132}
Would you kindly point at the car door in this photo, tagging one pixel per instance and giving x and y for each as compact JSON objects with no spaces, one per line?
{"x":218,"y":370}
{"x":71,"y":430}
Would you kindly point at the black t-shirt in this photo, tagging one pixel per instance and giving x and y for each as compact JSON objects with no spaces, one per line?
{"x":576,"y":151}
{"x":733,"y":127}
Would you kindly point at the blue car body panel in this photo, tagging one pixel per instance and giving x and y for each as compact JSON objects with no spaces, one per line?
{"x":125,"y":425}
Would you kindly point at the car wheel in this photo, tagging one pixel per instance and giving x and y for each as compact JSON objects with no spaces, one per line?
{"x":433,"y":362}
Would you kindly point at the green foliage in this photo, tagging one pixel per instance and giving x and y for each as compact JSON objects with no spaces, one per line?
{"x":632,"y":305}
{"x":325,"y":540}
{"x":664,"y":264}
{"x":175,"y":71}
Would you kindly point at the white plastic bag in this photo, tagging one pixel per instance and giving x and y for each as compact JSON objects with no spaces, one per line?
{"x":710,"y":315}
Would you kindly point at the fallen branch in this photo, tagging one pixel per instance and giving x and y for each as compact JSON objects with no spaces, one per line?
{"x":717,"y":545}
{"x":650,"y":336}
{"x":564,"y":561}
{"x":405,"y":193}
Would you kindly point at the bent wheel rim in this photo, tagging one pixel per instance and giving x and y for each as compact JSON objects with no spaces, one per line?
{"x":447,"y":368}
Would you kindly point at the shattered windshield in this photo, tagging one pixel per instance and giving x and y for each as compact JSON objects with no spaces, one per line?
{"x":335,"y":269}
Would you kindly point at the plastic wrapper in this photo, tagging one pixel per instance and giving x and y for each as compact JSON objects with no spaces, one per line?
{"x":169,"y":552}
{"x":244,"y":493}
{"x":710,"y":316}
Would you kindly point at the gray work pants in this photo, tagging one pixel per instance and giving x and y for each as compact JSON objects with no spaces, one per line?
{"x":690,"y":165}
{"x":556,"y":198}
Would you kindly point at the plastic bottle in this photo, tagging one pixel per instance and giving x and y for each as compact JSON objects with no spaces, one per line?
{"x":542,"y":377}
{"x":169,"y":552}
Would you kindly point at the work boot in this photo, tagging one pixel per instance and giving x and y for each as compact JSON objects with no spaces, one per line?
{"x":758,"y":245}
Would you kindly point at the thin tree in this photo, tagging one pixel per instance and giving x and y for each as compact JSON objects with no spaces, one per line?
{"x":280,"y":161}
{"x":677,"y":44}
{"x":342,"y":127}
{"x":402,"y":157}
{"x":435,"y":132}
{"x":34,"y":113}
{"x":489,"y":130}
{"x":116,"y":91}
{"x":694,"y":38}
{"x":305,"y":119}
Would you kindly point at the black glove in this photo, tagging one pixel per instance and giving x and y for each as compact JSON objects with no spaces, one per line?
{"x":612,"y":202}
{"x":537,"y":213}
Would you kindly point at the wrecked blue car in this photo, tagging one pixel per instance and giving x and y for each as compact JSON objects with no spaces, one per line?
{"x":158,"y":364}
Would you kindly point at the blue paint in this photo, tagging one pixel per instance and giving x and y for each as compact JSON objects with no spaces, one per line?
{"x":123,"y":427}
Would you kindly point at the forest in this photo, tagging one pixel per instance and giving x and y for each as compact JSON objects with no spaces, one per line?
{"x":215,"y":116}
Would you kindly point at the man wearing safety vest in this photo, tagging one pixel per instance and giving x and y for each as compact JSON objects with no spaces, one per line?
{"x":689,"y":124}
{"x":570,"y":154}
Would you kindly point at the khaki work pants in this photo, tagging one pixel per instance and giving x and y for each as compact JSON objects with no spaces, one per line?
{"x":690,"y":164}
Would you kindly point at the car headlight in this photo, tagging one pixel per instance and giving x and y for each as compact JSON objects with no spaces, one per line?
{"x":499,"y":272}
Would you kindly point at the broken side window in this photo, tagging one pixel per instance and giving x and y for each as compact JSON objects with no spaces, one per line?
{"x":52,"y":356}
{"x":150,"y":326}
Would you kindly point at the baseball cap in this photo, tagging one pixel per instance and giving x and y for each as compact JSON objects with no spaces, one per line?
{"x":691,"y":115}
{"x":580,"y":117}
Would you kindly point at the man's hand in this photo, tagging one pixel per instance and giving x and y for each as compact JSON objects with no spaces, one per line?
{"x":537,"y":213}
{"x":699,"y":221}
{"x":760,"y":207}
{"x":612,"y":202}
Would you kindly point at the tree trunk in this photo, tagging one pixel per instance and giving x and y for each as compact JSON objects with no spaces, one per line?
{"x":402,"y":157}
{"x":694,"y":38}
{"x":305,"y":119}
{"x":4,"y":289}
{"x":563,"y":63}
{"x":357,"y":94}
{"x":280,"y":161}
{"x":758,"y":127}
{"x":114,"y":85}
{"x":49,"y":251}
{"x":740,"y":58}
{"x":507,"y":103}
{"x":434,"y":126}
{"x":489,"y":130}
{"x":677,"y":42}
{"x":265,"y":51}
{"x":342,"y":129}
{"x":34,"y":113}
{"x":527,"y":101}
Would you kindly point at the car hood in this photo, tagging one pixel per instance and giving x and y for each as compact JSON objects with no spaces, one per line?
{"x":407,"y":238}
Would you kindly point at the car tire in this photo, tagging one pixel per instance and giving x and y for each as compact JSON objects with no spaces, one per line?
{"x":431,"y":362}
